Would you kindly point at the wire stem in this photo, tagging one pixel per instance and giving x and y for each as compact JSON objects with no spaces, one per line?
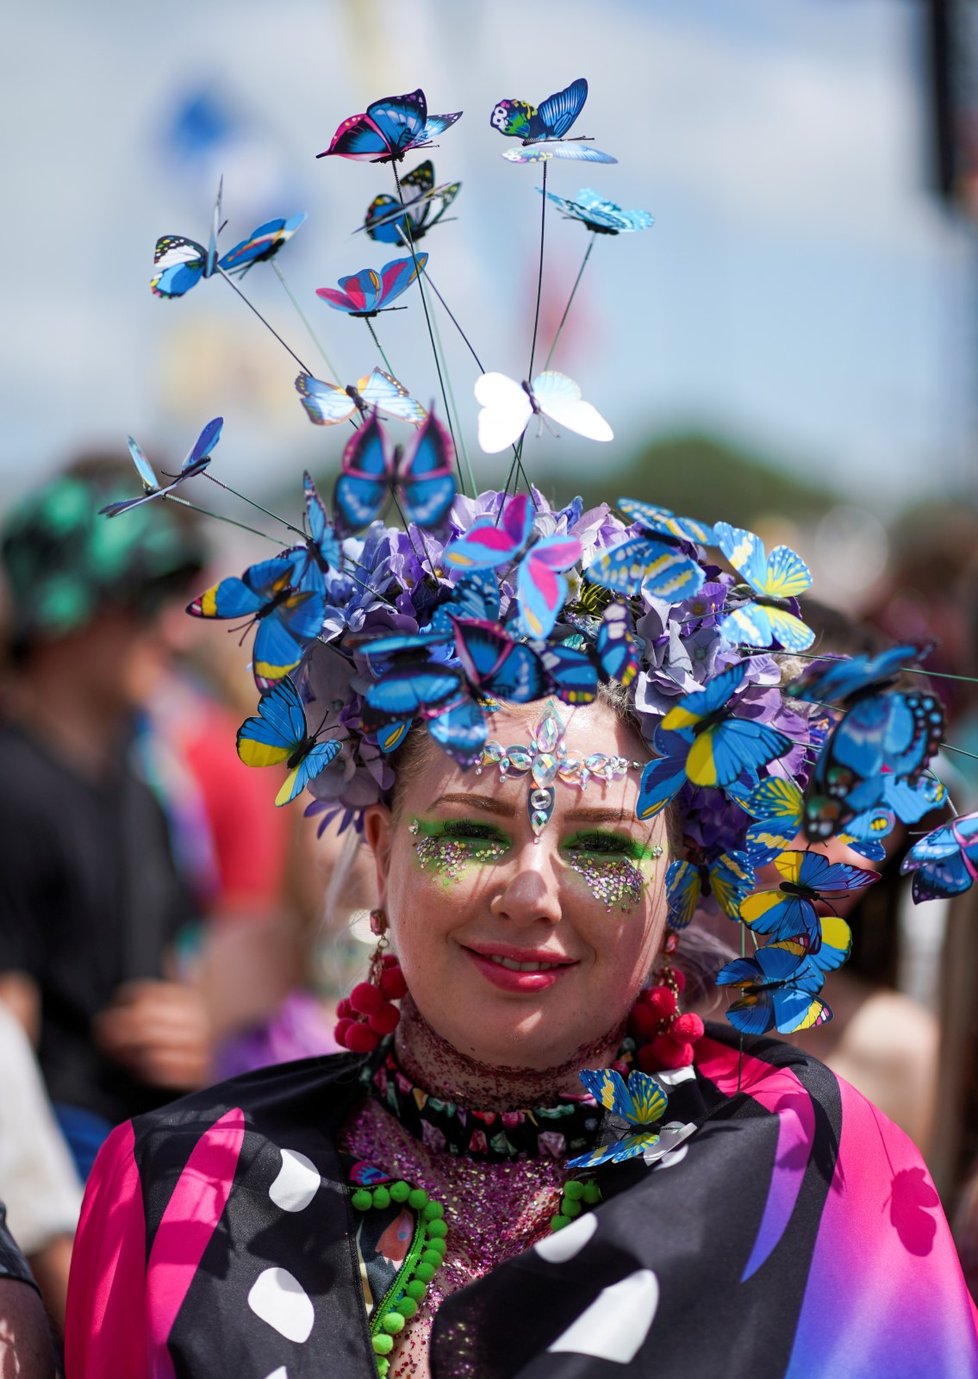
{"x":267,"y":324}
{"x":305,"y":320}
{"x":563,"y":319}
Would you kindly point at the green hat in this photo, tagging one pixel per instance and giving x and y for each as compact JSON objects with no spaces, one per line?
{"x":64,"y":562}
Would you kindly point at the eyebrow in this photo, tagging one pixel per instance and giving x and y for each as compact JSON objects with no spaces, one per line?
{"x":490,"y":805}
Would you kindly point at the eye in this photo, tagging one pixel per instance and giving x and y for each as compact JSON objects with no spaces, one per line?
{"x":607,"y":844}
{"x":470,"y":830}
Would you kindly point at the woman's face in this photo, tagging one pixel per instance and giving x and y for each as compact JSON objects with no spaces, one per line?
{"x":520,"y":951}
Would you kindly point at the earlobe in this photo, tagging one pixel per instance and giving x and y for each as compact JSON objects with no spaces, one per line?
{"x":377,"y":833}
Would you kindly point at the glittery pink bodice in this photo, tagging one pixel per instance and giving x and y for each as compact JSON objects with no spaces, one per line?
{"x":493,"y":1211}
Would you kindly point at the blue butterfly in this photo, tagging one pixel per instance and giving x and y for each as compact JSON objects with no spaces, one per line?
{"x":887,"y":734}
{"x":837,"y":680}
{"x":369,"y":291}
{"x":543,"y":130}
{"x":196,"y":462}
{"x":422,"y":475}
{"x":806,"y":878}
{"x":540,"y":586}
{"x":438,"y":694}
{"x":779,"y":990}
{"x":388,"y":129}
{"x":729,"y":879}
{"x":322,"y":542}
{"x":701,"y":741}
{"x":495,"y":664}
{"x":774,"y":578}
{"x":640,"y":1103}
{"x":287,"y":615}
{"x":945,"y":861}
{"x":279,"y":733}
{"x":179,"y":263}
{"x":327,"y":404}
{"x":657,"y":562}
{"x":601,"y":216}
{"x":390,"y":221}
{"x":262,"y":244}
{"x":778,"y":805}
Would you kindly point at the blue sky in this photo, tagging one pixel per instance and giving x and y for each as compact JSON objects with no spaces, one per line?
{"x":801,"y":292}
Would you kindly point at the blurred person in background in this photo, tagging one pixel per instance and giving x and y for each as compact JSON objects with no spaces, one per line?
{"x":92,"y":900}
{"x":26,"y":1351}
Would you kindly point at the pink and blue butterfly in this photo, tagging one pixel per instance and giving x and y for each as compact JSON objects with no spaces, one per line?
{"x":422,"y":475}
{"x":279,"y":734}
{"x":779,"y":990}
{"x":776,"y":578}
{"x":369,"y":291}
{"x":388,"y":129}
{"x":639,"y":1104}
{"x":288,"y":613}
{"x":945,"y":861}
{"x":196,"y":462}
{"x":540,"y":585}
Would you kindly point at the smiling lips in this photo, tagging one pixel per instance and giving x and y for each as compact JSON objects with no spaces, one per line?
{"x":513,"y":969}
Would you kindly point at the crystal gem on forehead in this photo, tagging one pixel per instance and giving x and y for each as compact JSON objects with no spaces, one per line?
{"x":545,"y":760}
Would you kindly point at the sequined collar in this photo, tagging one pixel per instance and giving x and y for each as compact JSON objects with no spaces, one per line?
{"x":556,"y":1131}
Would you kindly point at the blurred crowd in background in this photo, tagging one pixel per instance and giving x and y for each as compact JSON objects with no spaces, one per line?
{"x":161,"y":924}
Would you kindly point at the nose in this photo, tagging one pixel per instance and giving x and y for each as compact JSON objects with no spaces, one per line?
{"x":529,"y":892}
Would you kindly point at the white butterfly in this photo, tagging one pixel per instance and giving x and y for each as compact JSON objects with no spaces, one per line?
{"x":507,"y":407}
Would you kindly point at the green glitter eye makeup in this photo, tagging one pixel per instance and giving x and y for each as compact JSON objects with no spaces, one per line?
{"x":610,"y":865}
{"x":445,"y":847}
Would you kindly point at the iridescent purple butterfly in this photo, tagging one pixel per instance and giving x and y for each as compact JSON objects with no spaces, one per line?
{"x":388,"y":129}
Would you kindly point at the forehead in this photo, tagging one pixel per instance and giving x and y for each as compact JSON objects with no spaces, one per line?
{"x":588,"y":730}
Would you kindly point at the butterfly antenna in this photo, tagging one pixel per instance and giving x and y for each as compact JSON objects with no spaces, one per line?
{"x":221,"y":517}
{"x":334,"y":373}
{"x":431,"y":334}
{"x":267,"y":324}
{"x":536,"y":313}
{"x":380,"y":349}
{"x":948,"y":747}
{"x":254,"y":504}
{"x":570,"y":299}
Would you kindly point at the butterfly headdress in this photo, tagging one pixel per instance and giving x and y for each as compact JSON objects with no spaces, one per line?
{"x":366,"y":626}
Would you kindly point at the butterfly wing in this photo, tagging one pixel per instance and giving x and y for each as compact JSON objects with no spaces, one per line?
{"x":608,"y":1089}
{"x":783,"y":574}
{"x":496,"y":664}
{"x":656,"y":519}
{"x":263,"y":244}
{"x":505,"y":411}
{"x":278,"y":729}
{"x":731,"y":879}
{"x":312,"y":762}
{"x":558,"y":112}
{"x":461,"y":730}
{"x":150,"y":483}
{"x":541,"y":587}
{"x":367,"y":470}
{"x":397,"y":276}
{"x":658,"y":567}
{"x":734,"y":745}
{"x":386,"y":220}
{"x":573,"y":673}
{"x":555,"y":148}
{"x":322,"y":536}
{"x":486,"y":545}
{"x":560,"y":398}
{"x":426,"y":475}
{"x":512,"y":118}
{"x":359,"y":137}
{"x":326,"y":404}
{"x":203,"y":448}
{"x":178,"y":265}
{"x":664,"y":777}
{"x":692,"y":708}
{"x":615,"y":645}
{"x":383,"y":391}
{"x":409,"y":690}
{"x":683,"y":892}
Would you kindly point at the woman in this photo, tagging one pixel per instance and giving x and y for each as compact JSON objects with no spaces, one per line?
{"x":786,"y":1228}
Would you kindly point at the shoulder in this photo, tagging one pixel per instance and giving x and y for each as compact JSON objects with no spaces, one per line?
{"x":760,"y":1067}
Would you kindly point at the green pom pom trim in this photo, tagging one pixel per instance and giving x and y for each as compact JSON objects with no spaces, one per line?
{"x":592,"y":1193}
{"x":383,"y":1345}
{"x":573,"y":1189}
{"x":425,"y":1272}
{"x":571,"y":1208}
{"x":400,"y":1191}
{"x":557,"y":1223}
{"x":362,"y":1199}
{"x":433,"y":1258}
{"x":381,"y":1198}
{"x":437,"y":1230}
{"x":407,"y":1307}
{"x":433,"y":1211}
{"x":417,"y":1198}
{"x":415,"y":1290}
{"x":393,"y":1323}
{"x":436,"y":1245}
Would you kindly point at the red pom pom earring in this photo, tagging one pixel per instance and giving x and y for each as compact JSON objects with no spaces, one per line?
{"x":368,"y":1014}
{"x":663,"y":1034}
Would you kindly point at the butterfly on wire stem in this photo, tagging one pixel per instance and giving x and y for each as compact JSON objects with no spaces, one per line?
{"x":388,"y":129}
{"x":196,"y":462}
{"x":390,"y":222}
{"x":543,"y":131}
{"x":507,"y":406}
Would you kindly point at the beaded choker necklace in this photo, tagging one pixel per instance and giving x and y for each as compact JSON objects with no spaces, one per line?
{"x":557,"y":1131}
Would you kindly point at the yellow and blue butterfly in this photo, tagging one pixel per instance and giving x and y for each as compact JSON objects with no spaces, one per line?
{"x":327,"y":404}
{"x":272,"y":594}
{"x":640,"y":1103}
{"x":701,"y":741}
{"x":775,"y":578}
{"x":728,"y":879}
{"x":777,"y":804}
{"x":388,"y":129}
{"x":657,"y":561}
{"x":779,"y":990}
{"x":279,"y":734}
{"x":806,"y":878}
{"x":393,"y":221}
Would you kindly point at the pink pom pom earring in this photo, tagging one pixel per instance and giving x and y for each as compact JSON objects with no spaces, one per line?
{"x":368,"y":1014}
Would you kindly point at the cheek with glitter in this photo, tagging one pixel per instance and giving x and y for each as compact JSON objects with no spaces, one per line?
{"x":447,"y":857}
{"x":615,"y":882}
